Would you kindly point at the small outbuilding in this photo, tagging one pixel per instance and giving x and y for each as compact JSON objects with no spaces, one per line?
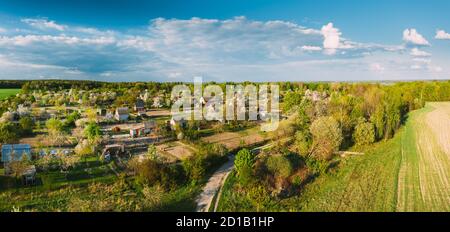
{"x":122,"y":114}
{"x":15,"y":152}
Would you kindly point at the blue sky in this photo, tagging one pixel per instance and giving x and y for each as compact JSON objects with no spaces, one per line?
{"x":256,"y":40}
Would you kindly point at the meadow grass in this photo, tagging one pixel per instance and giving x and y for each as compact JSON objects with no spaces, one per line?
{"x":4,"y":93}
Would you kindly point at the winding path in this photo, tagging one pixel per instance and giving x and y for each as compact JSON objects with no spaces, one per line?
{"x":205,"y":199}
{"x":216,"y":181}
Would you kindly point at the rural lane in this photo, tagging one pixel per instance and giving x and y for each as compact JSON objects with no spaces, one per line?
{"x":205,"y":199}
{"x":216,"y":181}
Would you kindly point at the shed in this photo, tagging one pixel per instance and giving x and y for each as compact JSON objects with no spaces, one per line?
{"x":122,"y":114}
{"x":15,"y":152}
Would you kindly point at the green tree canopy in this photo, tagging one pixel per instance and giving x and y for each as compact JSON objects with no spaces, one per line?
{"x":327,"y":137}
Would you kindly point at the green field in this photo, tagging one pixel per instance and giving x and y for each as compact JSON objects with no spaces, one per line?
{"x":410,"y":172}
{"x":4,"y":93}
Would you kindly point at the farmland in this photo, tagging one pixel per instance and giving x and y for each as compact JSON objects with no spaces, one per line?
{"x":338,"y":147}
{"x":410,"y":172}
{"x":4,"y":93}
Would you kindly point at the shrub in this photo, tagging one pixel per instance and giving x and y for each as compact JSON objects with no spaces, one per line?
{"x":302,"y":142}
{"x":364,"y":133}
{"x":327,"y":137}
{"x":26,"y":125}
{"x":195,"y":167}
{"x":244,"y":159}
{"x":8,"y":133}
{"x":317,"y":166}
{"x":208,"y":156}
{"x":150,"y":172}
{"x":279,"y":165}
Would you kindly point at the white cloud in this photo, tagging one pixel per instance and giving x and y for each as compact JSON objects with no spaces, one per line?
{"x":413,"y":37}
{"x":44,"y":24}
{"x":311,"y":48}
{"x":24,"y":40}
{"x":376,"y":67}
{"x":435,"y":68}
{"x":234,"y":49}
{"x":331,"y":38}
{"x":425,"y":65}
{"x":419,"y":53}
{"x":441,"y":34}
{"x":422,"y":60}
{"x":174,"y":75}
{"x":416,"y":66}
{"x":2,"y":30}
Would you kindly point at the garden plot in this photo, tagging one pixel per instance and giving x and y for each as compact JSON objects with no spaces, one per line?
{"x":174,"y":151}
{"x":234,"y":140}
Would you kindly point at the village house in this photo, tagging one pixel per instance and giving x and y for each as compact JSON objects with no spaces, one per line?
{"x":139,"y":106}
{"x":122,"y":114}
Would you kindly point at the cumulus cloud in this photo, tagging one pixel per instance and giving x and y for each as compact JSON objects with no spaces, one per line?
{"x":413,"y":37}
{"x":441,"y":34}
{"x":331,"y":38}
{"x":419,"y":53}
{"x":177,"y":49}
{"x":44,"y":24}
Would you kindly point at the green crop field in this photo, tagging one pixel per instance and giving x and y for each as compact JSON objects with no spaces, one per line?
{"x":4,"y":93}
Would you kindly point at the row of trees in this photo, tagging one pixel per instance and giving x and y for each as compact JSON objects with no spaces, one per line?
{"x":356,"y":114}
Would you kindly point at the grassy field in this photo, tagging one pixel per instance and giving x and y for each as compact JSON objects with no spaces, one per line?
{"x":4,"y":93}
{"x":424,"y":178}
{"x":410,"y":172}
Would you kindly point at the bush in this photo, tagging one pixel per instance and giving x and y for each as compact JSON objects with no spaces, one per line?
{"x":243,"y":163}
{"x":327,"y":137}
{"x":92,"y":132}
{"x":258,"y":196}
{"x":279,"y":165}
{"x":70,"y":120}
{"x":244,"y":159}
{"x":26,"y":125}
{"x":302,"y":142}
{"x":317,"y":166}
{"x":208,"y":157}
{"x":150,"y":172}
{"x":364,"y":133}
{"x":195,"y":167}
{"x":8,"y":133}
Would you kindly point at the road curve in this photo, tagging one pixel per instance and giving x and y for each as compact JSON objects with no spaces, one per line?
{"x":205,"y":199}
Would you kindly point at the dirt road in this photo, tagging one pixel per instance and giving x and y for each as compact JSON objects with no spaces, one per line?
{"x":205,"y":199}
